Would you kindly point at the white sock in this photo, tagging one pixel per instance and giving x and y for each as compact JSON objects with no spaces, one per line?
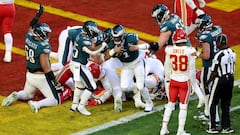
{"x":8,"y":40}
{"x":182,"y":117}
{"x":46,"y":102}
{"x":22,"y":95}
{"x":167,"y":114}
{"x":76,"y":95}
{"x":85,"y":96}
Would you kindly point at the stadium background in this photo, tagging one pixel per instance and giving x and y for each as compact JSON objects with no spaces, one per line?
{"x":135,"y":15}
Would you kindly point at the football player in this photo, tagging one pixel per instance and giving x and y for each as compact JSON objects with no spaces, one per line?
{"x":206,"y":37}
{"x":39,"y":75}
{"x":7,"y":16}
{"x":83,"y":79}
{"x":123,"y":46}
{"x":180,"y":74}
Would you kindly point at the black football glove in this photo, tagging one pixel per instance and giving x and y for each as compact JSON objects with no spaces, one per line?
{"x":37,"y":16}
{"x":153,"y":46}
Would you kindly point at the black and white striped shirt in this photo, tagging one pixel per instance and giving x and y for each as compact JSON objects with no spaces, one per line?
{"x":224,"y":62}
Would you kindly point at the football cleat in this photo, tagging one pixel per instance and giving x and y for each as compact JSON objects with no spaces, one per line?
{"x":81,"y":109}
{"x":10,"y":99}
{"x":227,"y":130}
{"x":164,"y":131}
{"x":139,"y":104}
{"x":202,"y":117}
{"x":148,"y":107}
{"x":183,"y":133}
{"x":74,"y":107}
{"x":33,"y":106}
{"x":118,"y":105}
{"x":7,"y":57}
{"x":212,"y":131}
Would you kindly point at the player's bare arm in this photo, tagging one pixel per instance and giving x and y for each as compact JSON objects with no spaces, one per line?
{"x":163,"y":38}
{"x":205,"y":51}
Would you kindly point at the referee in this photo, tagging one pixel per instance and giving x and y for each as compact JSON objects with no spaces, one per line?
{"x":222,"y":77}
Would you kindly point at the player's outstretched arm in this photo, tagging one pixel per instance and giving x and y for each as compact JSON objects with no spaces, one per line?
{"x":37,"y":16}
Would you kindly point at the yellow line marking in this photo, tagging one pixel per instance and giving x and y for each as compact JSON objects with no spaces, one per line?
{"x":14,"y":50}
{"x":225,"y":5}
{"x":81,"y":18}
{"x":21,"y":52}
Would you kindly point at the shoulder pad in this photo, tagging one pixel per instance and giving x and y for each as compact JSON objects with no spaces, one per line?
{"x":164,"y":29}
{"x":87,"y":42}
{"x":46,"y":50}
{"x":202,"y":37}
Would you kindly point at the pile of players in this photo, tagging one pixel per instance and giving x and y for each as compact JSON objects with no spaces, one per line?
{"x":95,"y":64}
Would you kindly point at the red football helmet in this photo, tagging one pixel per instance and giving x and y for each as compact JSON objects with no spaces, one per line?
{"x":95,"y":69}
{"x":180,"y":36}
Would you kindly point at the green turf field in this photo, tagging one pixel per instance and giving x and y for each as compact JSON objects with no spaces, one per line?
{"x":150,"y":124}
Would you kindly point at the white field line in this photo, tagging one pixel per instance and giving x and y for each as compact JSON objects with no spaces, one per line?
{"x":119,"y":121}
{"x":135,"y":116}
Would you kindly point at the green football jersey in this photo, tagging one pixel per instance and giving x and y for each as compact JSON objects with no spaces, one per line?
{"x":171,"y":24}
{"x":78,"y":54}
{"x":127,"y":55}
{"x":210,"y":37}
{"x":33,"y":49}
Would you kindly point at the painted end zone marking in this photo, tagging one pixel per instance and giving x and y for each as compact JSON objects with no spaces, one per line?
{"x":81,"y":18}
{"x":225,"y":5}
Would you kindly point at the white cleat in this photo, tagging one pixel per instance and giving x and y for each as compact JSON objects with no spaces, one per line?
{"x":7,"y":57}
{"x":33,"y":106}
{"x":201,"y":117}
{"x":118,"y":105}
{"x":139,"y":104}
{"x":183,"y":133}
{"x":74,"y":107}
{"x":164,"y":132}
{"x":81,"y":109}
{"x":148,"y":107}
{"x":10,"y":99}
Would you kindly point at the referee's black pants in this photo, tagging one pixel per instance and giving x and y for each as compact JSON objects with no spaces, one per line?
{"x":221,"y":90}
